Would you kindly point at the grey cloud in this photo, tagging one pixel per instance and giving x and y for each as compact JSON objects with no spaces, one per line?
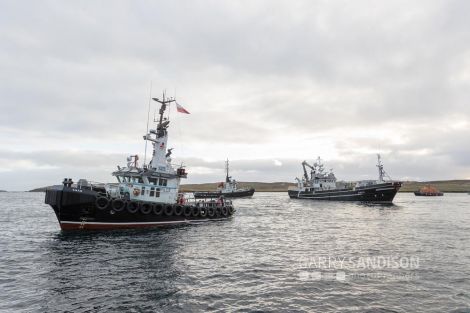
{"x":371,"y":72}
{"x":62,"y":158}
{"x":51,"y":167}
{"x":249,"y":72}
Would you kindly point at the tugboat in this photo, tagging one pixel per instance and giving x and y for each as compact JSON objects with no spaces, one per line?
{"x":428,"y":191}
{"x":227,"y":189}
{"x":323,"y":186}
{"x":143,"y":196}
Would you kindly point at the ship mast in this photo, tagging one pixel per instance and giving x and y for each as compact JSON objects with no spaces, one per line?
{"x":159,"y":137}
{"x":381,"y":169}
{"x":162,"y":126}
{"x":227,"y":178}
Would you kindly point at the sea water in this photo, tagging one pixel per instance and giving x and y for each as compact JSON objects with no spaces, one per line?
{"x":274,"y":254}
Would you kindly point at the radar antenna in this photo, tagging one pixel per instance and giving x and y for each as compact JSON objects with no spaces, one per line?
{"x":163,"y":124}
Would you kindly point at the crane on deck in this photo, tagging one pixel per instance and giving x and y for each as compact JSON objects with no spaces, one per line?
{"x":304,"y":165}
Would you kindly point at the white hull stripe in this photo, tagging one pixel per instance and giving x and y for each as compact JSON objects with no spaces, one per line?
{"x":328,"y":196}
{"x":374,"y":201}
{"x":323,"y":197}
{"x":326,"y":192}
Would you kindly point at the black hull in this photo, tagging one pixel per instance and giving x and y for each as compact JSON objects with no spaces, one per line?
{"x":236,"y":194}
{"x":77,"y":209}
{"x":374,"y":193}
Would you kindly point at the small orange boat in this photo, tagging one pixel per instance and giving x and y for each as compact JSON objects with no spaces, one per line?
{"x":428,"y":191}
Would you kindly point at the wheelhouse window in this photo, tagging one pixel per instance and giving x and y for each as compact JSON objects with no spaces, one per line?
{"x":152,"y":192}
{"x":163,"y":182}
{"x":136,"y":180}
{"x":143,"y":191}
{"x":157,"y":193}
{"x":153,"y":181}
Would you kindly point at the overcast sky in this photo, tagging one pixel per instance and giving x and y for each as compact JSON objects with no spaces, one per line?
{"x":268,"y":84}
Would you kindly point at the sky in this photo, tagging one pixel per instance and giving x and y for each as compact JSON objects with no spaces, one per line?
{"x":268,"y":85}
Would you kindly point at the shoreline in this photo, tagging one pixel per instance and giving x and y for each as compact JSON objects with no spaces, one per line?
{"x":445,"y":186}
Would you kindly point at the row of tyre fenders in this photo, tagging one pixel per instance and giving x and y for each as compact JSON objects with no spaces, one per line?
{"x":118,"y":205}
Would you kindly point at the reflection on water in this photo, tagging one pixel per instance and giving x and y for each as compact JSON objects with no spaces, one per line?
{"x":275,"y":254}
{"x":115,"y":268}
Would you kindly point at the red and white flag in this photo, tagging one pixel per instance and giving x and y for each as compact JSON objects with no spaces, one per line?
{"x":180,"y":109}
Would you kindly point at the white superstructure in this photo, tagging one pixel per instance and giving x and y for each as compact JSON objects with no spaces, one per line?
{"x":157,"y":181}
{"x":318,"y":178}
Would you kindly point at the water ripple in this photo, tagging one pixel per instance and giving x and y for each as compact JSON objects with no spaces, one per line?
{"x":274,"y":255}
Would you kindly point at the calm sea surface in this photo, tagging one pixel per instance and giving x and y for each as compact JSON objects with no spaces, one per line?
{"x":275,"y":254}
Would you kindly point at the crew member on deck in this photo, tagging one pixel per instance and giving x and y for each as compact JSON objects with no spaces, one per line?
{"x":220,"y":201}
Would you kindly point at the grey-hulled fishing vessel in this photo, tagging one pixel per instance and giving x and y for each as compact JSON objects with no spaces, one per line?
{"x":228,"y":189}
{"x":320,"y":185}
{"x":143,"y":196}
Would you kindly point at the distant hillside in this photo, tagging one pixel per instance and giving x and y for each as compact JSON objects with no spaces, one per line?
{"x":3,"y":191}
{"x":442,"y":185}
{"x":41,"y":189}
{"x":278,"y":186}
{"x":410,"y":186}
